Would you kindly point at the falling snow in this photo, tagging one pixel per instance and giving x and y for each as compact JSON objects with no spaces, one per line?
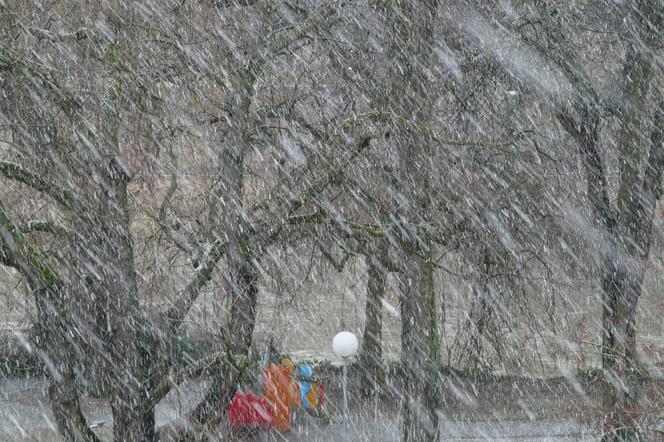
{"x":197,"y":197}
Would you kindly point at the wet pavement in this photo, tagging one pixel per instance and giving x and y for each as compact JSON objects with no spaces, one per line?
{"x":25,"y":415}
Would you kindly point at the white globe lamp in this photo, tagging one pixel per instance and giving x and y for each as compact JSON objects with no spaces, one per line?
{"x":345,"y":344}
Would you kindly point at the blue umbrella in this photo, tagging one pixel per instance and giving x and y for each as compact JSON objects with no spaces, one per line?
{"x":305,"y":371}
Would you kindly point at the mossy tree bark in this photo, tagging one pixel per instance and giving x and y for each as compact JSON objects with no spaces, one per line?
{"x":420,"y":351}
{"x":371,"y":358}
{"x":412,"y":34}
{"x":130,"y":344}
{"x":62,"y":391}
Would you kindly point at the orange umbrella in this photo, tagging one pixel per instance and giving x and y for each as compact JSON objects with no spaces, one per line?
{"x":281,"y":392}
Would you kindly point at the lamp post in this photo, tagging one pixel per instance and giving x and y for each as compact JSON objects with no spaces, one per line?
{"x":345,"y":345}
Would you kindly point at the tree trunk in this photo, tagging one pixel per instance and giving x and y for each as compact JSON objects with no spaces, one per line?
{"x":620,"y":289}
{"x":133,"y":410}
{"x":225,"y":209}
{"x":371,"y":358}
{"x":626,"y":235}
{"x":130,"y":344}
{"x":622,"y":284}
{"x":637,"y":197}
{"x":240,"y":327}
{"x":410,"y":27}
{"x":242,"y":320}
{"x":619,"y":363}
{"x":420,"y":352}
{"x":90,"y":323}
{"x":59,"y":359}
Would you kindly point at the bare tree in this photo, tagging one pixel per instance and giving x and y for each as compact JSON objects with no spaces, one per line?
{"x":624,"y":227}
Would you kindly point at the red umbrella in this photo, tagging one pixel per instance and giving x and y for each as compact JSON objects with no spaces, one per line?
{"x":247,"y":409}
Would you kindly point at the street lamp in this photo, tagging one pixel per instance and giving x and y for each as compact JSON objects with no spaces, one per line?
{"x":344,"y":345}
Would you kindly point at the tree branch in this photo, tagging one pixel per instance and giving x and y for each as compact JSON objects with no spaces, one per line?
{"x":195,"y":369}
{"x":52,"y":227}
{"x":16,"y":252}
{"x":586,"y":134}
{"x":203,"y":273}
{"x":200,"y":276}
{"x":63,"y":196}
{"x":338,"y":265}
{"x":65,"y":100}
{"x":651,"y":186}
{"x":171,"y":235}
{"x":299,"y":30}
